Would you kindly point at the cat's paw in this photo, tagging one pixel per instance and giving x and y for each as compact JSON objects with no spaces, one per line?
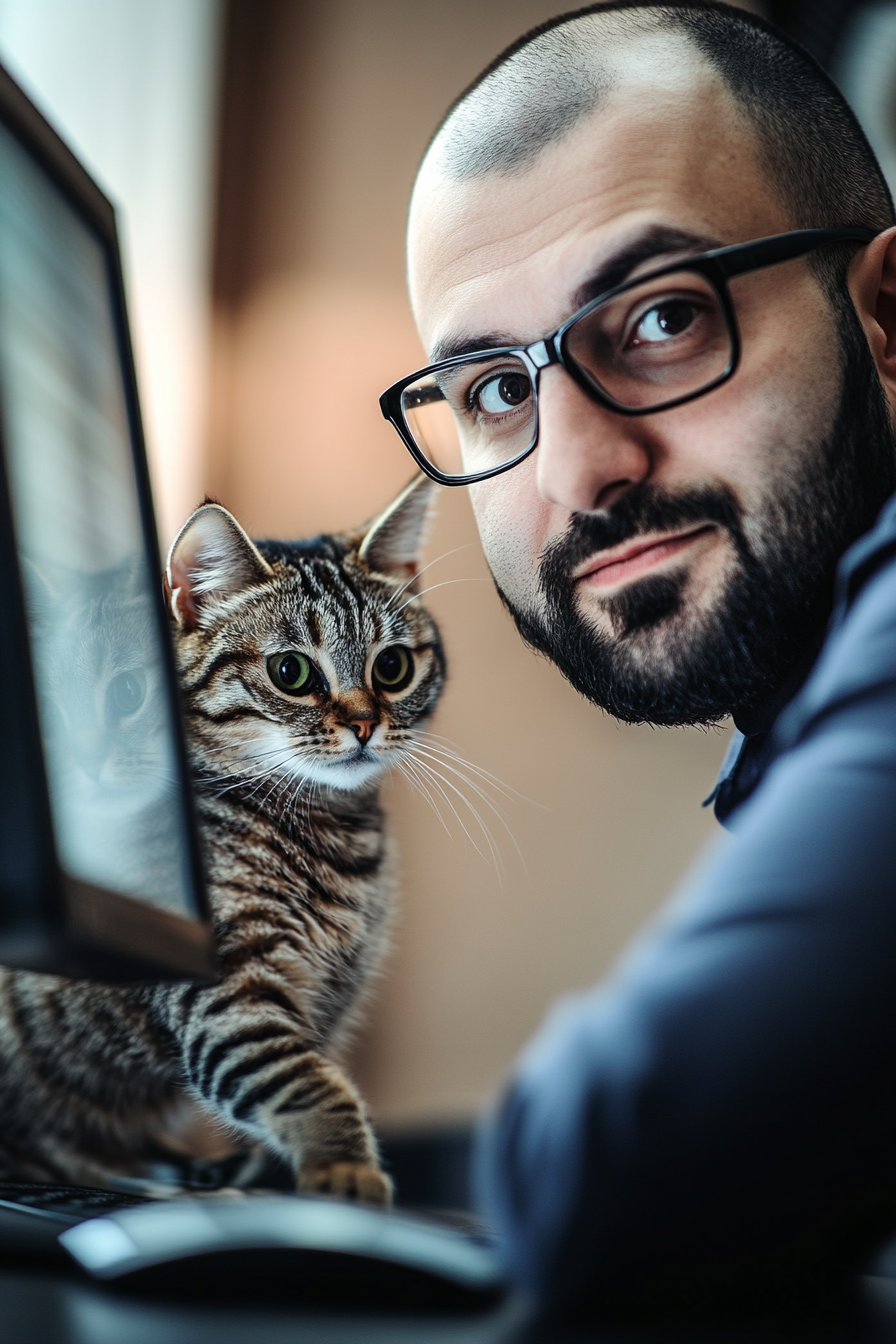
{"x":348,"y":1180}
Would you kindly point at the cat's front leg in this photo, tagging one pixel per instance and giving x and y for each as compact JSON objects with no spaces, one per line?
{"x":337,"y":1147}
{"x":251,"y":1063}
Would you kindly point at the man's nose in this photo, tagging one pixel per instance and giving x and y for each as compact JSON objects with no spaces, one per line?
{"x":587,"y":456}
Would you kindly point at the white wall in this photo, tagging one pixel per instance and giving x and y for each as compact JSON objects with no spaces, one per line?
{"x":131,"y":85}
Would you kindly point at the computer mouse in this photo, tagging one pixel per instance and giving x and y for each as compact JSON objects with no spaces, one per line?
{"x":315,"y":1250}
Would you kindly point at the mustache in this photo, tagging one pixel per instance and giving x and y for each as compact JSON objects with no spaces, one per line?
{"x":641,"y":510}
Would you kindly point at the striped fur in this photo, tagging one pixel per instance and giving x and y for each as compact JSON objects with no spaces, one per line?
{"x":95,"y":1081}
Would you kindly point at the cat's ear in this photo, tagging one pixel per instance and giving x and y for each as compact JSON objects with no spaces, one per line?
{"x":392,"y":542}
{"x":210,"y":558}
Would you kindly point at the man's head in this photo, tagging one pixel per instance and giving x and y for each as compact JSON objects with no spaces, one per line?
{"x":674,"y":565}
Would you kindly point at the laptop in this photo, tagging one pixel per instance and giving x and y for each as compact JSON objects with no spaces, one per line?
{"x":100,"y":872}
{"x":99,"y":862}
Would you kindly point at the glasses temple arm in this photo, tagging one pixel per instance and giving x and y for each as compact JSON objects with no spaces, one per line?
{"x":738,"y":260}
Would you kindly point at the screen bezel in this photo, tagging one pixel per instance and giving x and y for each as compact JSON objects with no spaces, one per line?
{"x":50,"y":921}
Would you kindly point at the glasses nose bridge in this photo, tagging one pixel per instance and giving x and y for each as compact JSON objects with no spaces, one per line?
{"x":543,"y":352}
{"x":540,"y":355}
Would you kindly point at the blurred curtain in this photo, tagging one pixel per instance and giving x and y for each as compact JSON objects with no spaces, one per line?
{"x":864,"y":65}
{"x":856,"y":43}
{"x":817,"y":24}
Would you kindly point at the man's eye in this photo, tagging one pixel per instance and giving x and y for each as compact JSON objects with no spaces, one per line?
{"x":503,"y":393}
{"x":293,"y":673}
{"x":664,"y":321}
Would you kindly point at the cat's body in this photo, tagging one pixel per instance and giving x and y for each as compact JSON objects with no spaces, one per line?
{"x":305,"y":670}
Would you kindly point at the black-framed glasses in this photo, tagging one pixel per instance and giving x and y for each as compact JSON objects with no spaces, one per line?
{"x":644,"y":346}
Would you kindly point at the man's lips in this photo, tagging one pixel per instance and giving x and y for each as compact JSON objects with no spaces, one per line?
{"x":625,"y":562}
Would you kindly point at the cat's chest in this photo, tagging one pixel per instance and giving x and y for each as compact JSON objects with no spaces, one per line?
{"x":305,"y":862}
{"x":317,"y":949}
{"x":310,"y":899}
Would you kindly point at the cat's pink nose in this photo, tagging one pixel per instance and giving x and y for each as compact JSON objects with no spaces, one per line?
{"x":362,"y":729}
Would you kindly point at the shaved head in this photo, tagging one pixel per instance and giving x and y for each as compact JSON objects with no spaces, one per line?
{"x":535,"y":93}
{"x":528,"y":100}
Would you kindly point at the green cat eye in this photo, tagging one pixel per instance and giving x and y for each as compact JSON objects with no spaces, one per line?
{"x":292,"y":672}
{"x":393,"y":668}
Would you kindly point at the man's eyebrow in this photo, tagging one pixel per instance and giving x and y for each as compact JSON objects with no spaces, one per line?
{"x":450,"y":346}
{"x":657,"y":241}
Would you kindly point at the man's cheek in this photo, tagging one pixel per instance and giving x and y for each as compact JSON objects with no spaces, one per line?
{"x":511,"y":538}
{"x":514,"y":569}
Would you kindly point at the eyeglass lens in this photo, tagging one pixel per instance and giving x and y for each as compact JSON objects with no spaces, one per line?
{"x":472,"y":417}
{"x":655,"y":343}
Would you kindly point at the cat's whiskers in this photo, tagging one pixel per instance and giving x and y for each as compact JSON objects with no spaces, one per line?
{"x":444,"y":584}
{"x":257,"y":780}
{"x":272,"y":778}
{"x":242,"y":770}
{"x":284,"y":751}
{"x":284,"y":754}
{"x":418,"y":784}
{"x":403,"y":738}
{"x":305,"y":794}
{"x":420,"y":753}
{"x":451,"y":758}
{"x":285,"y":795}
{"x":435,"y":749}
{"x":441,"y":783}
{"x":415,"y":576}
{"x":290,"y":786}
{"x":484,"y":776}
{"x":420,"y":749}
{"x":436,"y":742}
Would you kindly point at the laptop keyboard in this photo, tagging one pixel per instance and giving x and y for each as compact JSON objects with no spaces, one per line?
{"x":69,"y":1201}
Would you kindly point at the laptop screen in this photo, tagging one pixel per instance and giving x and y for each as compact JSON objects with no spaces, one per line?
{"x":96,"y":641}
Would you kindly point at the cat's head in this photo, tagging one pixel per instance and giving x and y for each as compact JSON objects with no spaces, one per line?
{"x":304,"y":661}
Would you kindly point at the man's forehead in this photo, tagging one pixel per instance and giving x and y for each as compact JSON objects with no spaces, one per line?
{"x":674,"y":153}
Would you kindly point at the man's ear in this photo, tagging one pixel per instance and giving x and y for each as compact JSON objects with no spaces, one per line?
{"x":210,"y":558}
{"x":872,"y":284}
{"x":392,"y":542}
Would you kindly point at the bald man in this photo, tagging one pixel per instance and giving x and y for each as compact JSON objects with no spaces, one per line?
{"x":652,"y":258}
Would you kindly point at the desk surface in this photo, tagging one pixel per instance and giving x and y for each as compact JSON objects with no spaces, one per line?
{"x":39,"y":1307}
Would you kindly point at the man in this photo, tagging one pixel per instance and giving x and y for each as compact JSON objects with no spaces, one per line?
{"x":677,"y":458}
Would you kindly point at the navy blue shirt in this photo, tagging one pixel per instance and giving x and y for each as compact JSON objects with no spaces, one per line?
{"x":720,"y":1113}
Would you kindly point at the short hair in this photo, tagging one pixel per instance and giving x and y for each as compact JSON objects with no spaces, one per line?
{"x":811,"y":146}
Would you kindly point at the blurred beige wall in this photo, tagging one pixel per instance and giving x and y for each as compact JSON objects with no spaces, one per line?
{"x":327,"y":109}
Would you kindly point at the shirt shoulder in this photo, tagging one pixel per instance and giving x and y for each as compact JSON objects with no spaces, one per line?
{"x":858,"y":655}
{"x":859,"y":652}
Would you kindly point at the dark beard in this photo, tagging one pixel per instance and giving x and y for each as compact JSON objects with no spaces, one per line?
{"x":668,"y":665}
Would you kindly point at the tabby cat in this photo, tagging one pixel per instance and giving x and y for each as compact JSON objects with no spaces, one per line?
{"x":305,"y":670}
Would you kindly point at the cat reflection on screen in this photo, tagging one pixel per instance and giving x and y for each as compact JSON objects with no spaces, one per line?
{"x":103,"y":716}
